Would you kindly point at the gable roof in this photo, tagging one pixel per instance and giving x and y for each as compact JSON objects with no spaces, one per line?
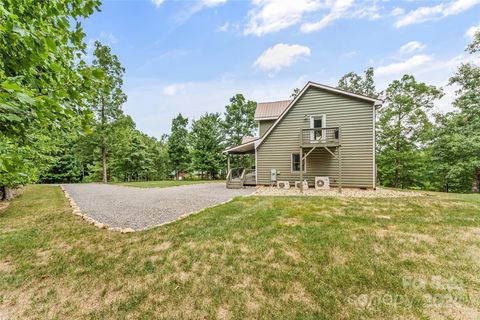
{"x":270,"y":110}
{"x":309,"y":84}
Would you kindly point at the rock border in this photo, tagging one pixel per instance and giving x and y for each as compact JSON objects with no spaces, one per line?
{"x":76,"y":211}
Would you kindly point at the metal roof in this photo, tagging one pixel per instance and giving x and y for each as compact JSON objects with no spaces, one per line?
{"x":270,"y":110}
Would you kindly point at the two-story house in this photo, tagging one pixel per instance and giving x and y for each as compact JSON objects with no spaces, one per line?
{"x":323,"y":131}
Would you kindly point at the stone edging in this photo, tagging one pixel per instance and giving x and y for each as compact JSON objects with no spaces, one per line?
{"x":76,"y":211}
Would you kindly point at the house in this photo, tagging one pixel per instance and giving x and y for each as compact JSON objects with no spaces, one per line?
{"x":332,"y":130}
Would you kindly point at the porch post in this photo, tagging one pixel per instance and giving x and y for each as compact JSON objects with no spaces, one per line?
{"x":339,"y":169}
{"x":301,"y":170}
{"x":228,"y":163}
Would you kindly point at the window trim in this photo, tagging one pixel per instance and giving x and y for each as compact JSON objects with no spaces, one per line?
{"x":323,"y":117}
{"x":291,"y":163}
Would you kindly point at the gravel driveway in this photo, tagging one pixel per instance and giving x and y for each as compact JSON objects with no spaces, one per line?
{"x":137,"y":208}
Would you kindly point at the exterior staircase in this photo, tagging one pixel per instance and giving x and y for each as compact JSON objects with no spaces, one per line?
{"x":238,"y":178}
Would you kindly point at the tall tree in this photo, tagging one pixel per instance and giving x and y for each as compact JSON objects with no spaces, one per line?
{"x":403,"y":130}
{"x":178,"y":153}
{"x":355,"y":83}
{"x":239,"y":119}
{"x":43,"y":81}
{"x":456,"y":148}
{"x":107,"y":101}
{"x":207,"y":142}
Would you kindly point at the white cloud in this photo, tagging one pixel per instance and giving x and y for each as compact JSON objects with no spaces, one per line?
{"x":280,"y":56}
{"x":274,"y":15}
{"x":397,"y":11}
{"x":337,"y":11}
{"x":404,"y":66}
{"x":350,"y":54}
{"x":436,"y":12}
{"x":212,"y":3}
{"x":412,"y":46}
{"x":158,"y":3}
{"x":174,"y":88}
{"x":224,"y":27}
{"x":108,"y":37}
{"x":470,"y":33}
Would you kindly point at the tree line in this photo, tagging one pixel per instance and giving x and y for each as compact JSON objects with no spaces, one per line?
{"x":421,"y":149}
{"x":61,"y":118}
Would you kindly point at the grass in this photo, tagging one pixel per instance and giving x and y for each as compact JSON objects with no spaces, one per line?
{"x":255,"y":257}
{"x":163,"y":183}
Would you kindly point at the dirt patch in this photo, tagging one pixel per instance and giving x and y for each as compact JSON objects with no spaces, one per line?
{"x":3,"y":205}
{"x":453,"y":311}
{"x":298,"y":294}
{"x":290,"y":221}
{"x":474,"y":254}
{"x":163,"y":246}
{"x":337,"y":257}
{"x":6,"y":267}
{"x":223,"y":313}
{"x":293,"y":254}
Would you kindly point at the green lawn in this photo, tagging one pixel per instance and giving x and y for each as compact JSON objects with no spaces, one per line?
{"x":163,"y":183}
{"x":255,"y":257}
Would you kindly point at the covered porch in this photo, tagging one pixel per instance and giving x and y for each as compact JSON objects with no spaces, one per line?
{"x":241,"y":176}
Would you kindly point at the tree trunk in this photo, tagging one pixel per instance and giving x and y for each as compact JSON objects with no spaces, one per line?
{"x":476,"y":181}
{"x":6,"y":193}
{"x":104,"y":165}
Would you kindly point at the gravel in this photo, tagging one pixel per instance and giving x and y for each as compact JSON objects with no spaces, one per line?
{"x":333,"y":192}
{"x":138,"y":208}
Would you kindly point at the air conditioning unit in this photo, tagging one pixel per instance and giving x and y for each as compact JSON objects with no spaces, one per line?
{"x":283,"y":185}
{"x":322,"y":183}
{"x":305,"y":184}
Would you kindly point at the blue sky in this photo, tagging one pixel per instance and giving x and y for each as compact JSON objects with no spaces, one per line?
{"x":192,"y":56}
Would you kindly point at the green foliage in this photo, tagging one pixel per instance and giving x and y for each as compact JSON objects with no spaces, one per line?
{"x":239,"y":119}
{"x":178,"y":152}
{"x":353,"y":82}
{"x":456,"y":147}
{"x":403,"y":129}
{"x":43,"y":81}
{"x":106,"y":102}
{"x":207,"y":141}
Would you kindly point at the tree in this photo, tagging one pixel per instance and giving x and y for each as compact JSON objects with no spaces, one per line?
{"x":207,"y":142}
{"x":295,"y":93}
{"x":178,"y":152}
{"x":353,"y":82}
{"x":404,"y":128}
{"x":107,"y":100}
{"x":43,"y":81}
{"x":456,"y":148}
{"x":239,"y":119}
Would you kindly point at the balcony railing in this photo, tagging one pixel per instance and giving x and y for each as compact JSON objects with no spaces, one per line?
{"x":320,"y":136}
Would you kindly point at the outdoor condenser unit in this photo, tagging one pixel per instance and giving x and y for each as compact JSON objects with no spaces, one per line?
{"x":283,"y":185}
{"x":322,"y":183}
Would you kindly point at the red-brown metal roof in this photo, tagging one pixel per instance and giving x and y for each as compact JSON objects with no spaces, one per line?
{"x":270,"y":110}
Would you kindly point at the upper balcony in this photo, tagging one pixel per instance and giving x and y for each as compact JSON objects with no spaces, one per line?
{"x":325,"y":137}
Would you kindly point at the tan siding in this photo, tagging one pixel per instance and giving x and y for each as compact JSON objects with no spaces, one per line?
{"x":264,"y":126}
{"x":355,"y":117}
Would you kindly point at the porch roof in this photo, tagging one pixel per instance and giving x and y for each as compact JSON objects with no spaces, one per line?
{"x":247,"y":147}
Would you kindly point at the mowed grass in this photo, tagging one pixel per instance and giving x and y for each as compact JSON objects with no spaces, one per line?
{"x":163,"y":183}
{"x":255,"y":257}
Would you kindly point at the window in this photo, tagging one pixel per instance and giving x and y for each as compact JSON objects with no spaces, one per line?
{"x":296,"y":163}
{"x":318,"y":122}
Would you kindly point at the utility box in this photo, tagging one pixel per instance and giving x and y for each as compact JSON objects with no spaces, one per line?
{"x":273,"y":175}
